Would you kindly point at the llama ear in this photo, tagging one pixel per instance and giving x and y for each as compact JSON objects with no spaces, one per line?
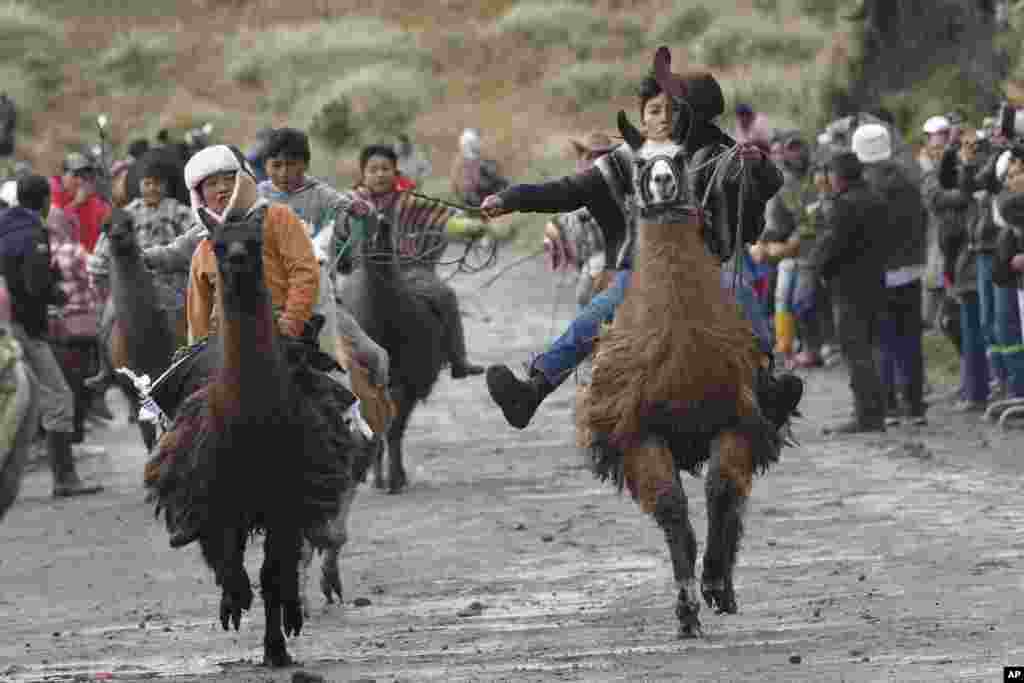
{"x":630,"y":134}
{"x":662,"y":63}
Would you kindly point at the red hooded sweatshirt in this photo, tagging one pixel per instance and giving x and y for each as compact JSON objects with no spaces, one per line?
{"x":90,"y":214}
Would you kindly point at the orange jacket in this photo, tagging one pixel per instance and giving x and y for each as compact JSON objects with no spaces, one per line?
{"x":290,"y":270}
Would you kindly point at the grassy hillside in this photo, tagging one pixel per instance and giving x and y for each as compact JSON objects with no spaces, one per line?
{"x":529,"y":74}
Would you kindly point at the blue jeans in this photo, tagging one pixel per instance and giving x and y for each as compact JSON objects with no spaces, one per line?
{"x":987,"y":312}
{"x":973,"y":362}
{"x":577,"y":342}
{"x":1009,"y":348}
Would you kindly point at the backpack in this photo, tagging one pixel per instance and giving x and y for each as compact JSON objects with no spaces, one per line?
{"x":8,"y":119}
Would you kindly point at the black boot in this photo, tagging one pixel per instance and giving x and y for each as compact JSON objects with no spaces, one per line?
{"x":518,"y":399}
{"x":66,"y":482}
{"x":466,"y":369}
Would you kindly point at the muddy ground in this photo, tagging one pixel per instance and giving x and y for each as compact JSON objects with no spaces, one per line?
{"x":866,"y":559}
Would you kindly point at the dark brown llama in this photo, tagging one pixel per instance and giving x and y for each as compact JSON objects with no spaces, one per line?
{"x":222,"y":466}
{"x":396,"y":307}
{"x":143,"y":338}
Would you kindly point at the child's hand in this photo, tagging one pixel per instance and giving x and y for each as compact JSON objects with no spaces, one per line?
{"x":1017,"y":263}
{"x":750,"y":152}
{"x":360,"y":207}
{"x":757,"y":252}
{"x":492,"y":206}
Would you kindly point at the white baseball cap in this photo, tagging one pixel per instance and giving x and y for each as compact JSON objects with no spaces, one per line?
{"x":936,"y":124}
{"x":871,"y":143}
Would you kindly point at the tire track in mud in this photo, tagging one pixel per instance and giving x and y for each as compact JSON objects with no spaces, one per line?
{"x":870,"y":559}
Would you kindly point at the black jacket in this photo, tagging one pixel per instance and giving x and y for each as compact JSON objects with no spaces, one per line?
{"x":906,"y":227}
{"x":851,"y":253}
{"x":25,"y":262}
{"x":1010,"y":241}
{"x":590,"y":189}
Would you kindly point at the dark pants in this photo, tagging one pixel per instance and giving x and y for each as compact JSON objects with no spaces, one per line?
{"x":858,"y":338}
{"x":973,"y":360}
{"x":902,"y":356}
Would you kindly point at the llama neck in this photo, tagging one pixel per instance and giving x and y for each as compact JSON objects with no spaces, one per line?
{"x":148,"y":337}
{"x":252,"y":380}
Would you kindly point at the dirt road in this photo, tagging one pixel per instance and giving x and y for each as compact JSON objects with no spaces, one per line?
{"x":866,"y":559}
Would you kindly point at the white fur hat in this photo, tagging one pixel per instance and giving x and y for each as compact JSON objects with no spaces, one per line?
{"x":871,"y":143}
{"x":936,"y":124}
{"x":210,"y":161}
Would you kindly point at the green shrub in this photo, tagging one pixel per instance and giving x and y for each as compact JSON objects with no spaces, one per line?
{"x":546,"y":24}
{"x":134,"y":59}
{"x":738,"y":40}
{"x":306,"y":56}
{"x":683,"y":24}
{"x":333,"y":123}
{"x":825,"y":12}
{"x":377,"y":101}
{"x":584,"y":85}
{"x":23,"y":29}
{"x":791,"y":97}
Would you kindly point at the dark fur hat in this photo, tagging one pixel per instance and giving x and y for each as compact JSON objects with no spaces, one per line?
{"x":699,"y":88}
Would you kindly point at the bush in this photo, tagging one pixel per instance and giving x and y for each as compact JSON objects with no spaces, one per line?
{"x":135,"y":59}
{"x":546,"y":24}
{"x":738,"y":40}
{"x":377,"y":101}
{"x":306,"y":56}
{"x":683,"y":24}
{"x":22,"y":29}
{"x":790,"y":96}
{"x":587,"y":84}
{"x":333,"y":123}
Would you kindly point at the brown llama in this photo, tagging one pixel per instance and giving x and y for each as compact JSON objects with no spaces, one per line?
{"x":677,"y":378}
{"x":260,"y":447}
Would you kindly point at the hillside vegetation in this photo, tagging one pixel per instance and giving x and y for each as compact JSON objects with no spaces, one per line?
{"x":529,"y":74}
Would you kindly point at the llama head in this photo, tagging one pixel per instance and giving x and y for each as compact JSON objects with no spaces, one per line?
{"x":120,"y":227}
{"x":660,"y":186}
{"x":238,"y":246}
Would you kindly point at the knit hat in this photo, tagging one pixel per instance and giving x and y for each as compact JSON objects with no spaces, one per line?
{"x":76,"y":161}
{"x":936,"y":124}
{"x":846,"y":165}
{"x":872,"y":143}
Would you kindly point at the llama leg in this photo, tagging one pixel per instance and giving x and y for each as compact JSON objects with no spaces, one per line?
{"x":330,"y":574}
{"x":727,"y":486}
{"x":670,"y":511}
{"x":378,"y":465}
{"x":279,"y":586}
{"x":397,"y":479}
{"x":305,"y":559}
{"x":225,"y":552}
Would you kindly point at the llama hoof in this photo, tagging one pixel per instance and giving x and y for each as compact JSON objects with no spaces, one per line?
{"x":330,"y":584}
{"x":687,"y":611}
{"x":235,"y":601}
{"x":719,"y":596}
{"x":397,"y":481}
{"x":275,"y":654}
{"x":291,"y":616}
